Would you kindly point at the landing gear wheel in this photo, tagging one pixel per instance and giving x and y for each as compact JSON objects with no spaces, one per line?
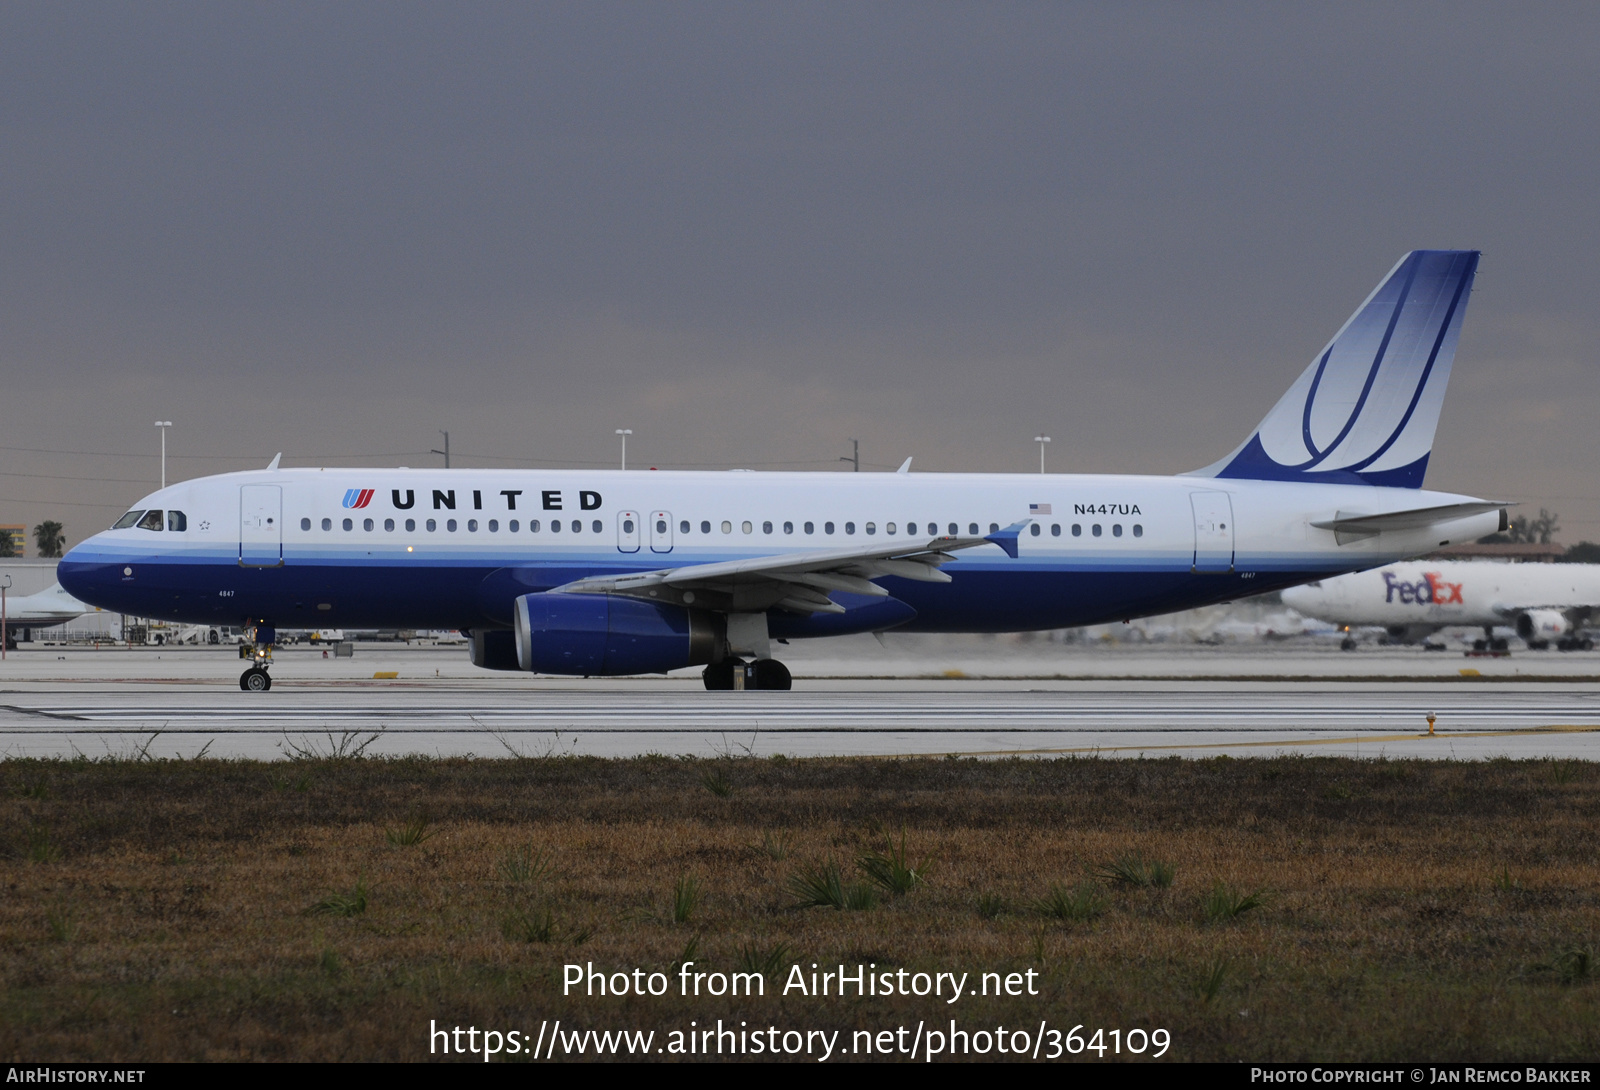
{"x":772,"y":674}
{"x":1347,"y":644}
{"x":719,"y":675}
{"x":1480,"y":645}
{"x":1586,"y":644}
{"x":255,"y":680}
{"x":1498,"y":644}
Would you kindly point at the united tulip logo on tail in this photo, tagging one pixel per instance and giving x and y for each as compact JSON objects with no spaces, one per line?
{"x":358,"y":497}
{"x":1430,"y":590}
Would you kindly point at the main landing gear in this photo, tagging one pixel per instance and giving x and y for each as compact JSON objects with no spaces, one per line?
{"x":256,"y":679}
{"x":737,"y":674}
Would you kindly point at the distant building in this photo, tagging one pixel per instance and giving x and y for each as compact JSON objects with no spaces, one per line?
{"x":19,"y":538}
{"x":1501,"y":550}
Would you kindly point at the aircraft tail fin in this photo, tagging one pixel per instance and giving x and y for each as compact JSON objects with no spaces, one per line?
{"x":1365,"y":411}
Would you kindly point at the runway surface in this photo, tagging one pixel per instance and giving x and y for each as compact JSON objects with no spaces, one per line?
{"x":870,"y":718}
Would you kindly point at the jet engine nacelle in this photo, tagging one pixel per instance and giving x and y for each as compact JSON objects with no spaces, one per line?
{"x":598,"y":635}
{"x":1542,"y":624}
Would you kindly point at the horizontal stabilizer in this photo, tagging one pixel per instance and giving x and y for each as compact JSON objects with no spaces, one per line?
{"x":1348,"y":526}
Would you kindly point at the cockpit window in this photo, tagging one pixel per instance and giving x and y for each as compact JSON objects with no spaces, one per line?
{"x":151,"y":521}
{"x":128,"y":520}
{"x":177,"y":521}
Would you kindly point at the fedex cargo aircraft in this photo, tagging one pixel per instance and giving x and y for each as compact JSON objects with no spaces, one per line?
{"x":599,"y":573}
{"x":1543,"y":602}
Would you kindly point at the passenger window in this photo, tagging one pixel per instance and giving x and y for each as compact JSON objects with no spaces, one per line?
{"x":954,"y":529}
{"x":766,"y":527}
{"x":533,"y":526}
{"x":705,"y":527}
{"x":127,"y":520}
{"x":598,"y":527}
{"x":788,"y":527}
{"x":746,"y":527}
{"x":512,"y":527}
{"x":683,"y":527}
{"x":889,"y":529}
{"x":727,"y":527}
{"x":555,"y":526}
{"x":151,"y":521}
{"x":911,"y":528}
{"x":1116,"y":529}
{"x":577,"y":526}
{"x":1138,"y":530}
{"x":994,"y":527}
{"x":388,"y":524}
{"x":348,"y":525}
{"x":849,"y":527}
{"x":178,"y":522}
{"x":366,"y":524}
{"x":305,"y":524}
{"x":827,"y":527}
{"x":1034,"y":530}
{"x":450,"y":525}
{"x":431,"y":525}
{"x":661,"y":526}
{"x":1095,"y":529}
{"x":327,"y":524}
{"x":810,"y":527}
{"x":494,"y":526}
{"x":871,"y":528}
{"x":972,"y":527}
{"x":411,"y":526}
{"x":472,"y":526}
{"x":1077,"y":530}
{"x":627,"y":526}
{"x":1055,"y":529}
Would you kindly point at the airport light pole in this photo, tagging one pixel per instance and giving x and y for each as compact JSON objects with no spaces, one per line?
{"x":1041,"y":440}
{"x":163,"y":425}
{"x":5,"y":584}
{"x":446,"y":450}
{"x":855,"y":458}
{"x":624,"y":432}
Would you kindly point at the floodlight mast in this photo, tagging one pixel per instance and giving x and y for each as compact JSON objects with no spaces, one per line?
{"x":1041,"y":440}
{"x":163,"y":425}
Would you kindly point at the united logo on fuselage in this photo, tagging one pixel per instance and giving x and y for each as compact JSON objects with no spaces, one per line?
{"x":358,"y":497}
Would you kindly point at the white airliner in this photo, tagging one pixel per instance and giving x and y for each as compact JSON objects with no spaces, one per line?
{"x":599,"y":573}
{"x":51,"y":606}
{"x":1543,"y":602}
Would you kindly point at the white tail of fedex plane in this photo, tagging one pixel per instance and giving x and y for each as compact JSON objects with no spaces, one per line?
{"x":1365,"y":411}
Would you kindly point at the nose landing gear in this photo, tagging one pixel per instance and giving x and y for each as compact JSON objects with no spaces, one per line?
{"x":256,"y":679}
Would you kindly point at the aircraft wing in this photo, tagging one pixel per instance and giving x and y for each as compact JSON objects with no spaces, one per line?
{"x":1352,"y":526}
{"x":800,"y":582}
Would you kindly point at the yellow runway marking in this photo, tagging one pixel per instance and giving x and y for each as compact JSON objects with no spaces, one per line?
{"x":1520,"y":732}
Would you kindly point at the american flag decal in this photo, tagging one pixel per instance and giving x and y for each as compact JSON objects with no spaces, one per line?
{"x":1039,"y":509}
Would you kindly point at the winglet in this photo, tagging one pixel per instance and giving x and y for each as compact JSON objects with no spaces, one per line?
{"x":274,"y":463}
{"x":1007,"y":538}
{"x":905,"y":466}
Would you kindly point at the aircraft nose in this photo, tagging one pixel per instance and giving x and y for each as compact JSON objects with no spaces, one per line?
{"x":88,"y":576}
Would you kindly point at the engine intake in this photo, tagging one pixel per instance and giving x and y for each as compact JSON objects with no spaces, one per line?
{"x":603,"y":635}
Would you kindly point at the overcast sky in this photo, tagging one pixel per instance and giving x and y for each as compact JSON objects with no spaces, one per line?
{"x":751,"y":232}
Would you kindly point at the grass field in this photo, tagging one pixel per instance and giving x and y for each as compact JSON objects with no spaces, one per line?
{"x":1277,"y":909}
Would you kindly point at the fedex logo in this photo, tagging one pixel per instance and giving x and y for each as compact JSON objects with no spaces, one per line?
{"x":1431,"y":589}
{"x":357,"y":497}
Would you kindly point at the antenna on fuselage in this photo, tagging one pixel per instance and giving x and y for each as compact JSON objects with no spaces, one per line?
{"x":275,"y":459}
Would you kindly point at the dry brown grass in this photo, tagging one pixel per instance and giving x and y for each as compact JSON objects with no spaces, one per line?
{"x":167,"y":910}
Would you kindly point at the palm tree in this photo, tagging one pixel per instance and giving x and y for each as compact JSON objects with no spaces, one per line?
{"x":49,"y":538}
